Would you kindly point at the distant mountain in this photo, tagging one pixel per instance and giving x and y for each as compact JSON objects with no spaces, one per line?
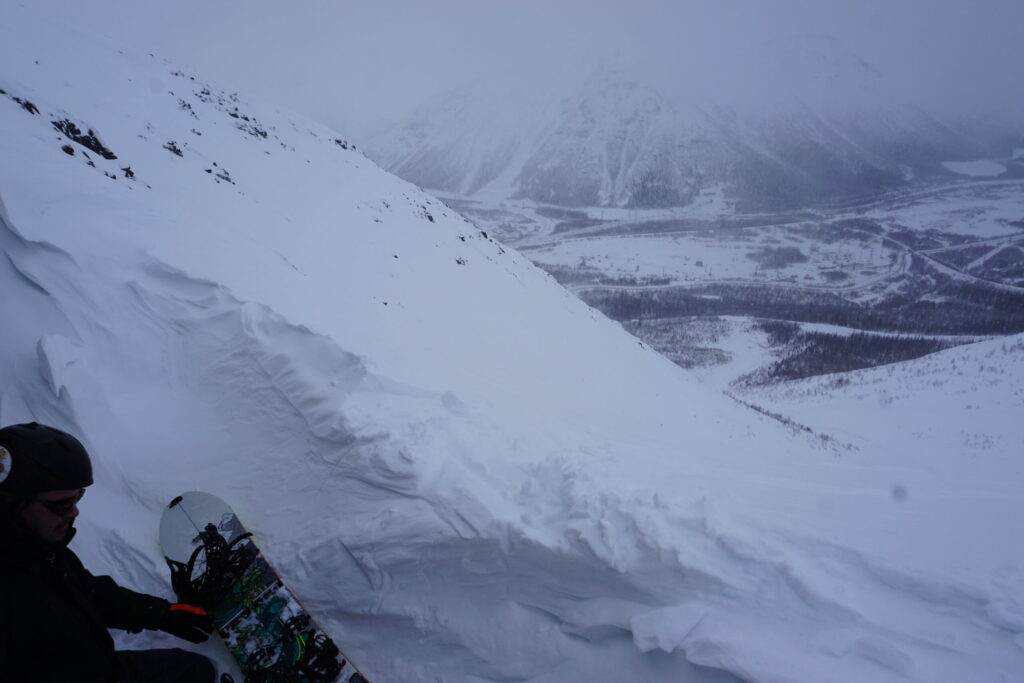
{"x":616,"y":141}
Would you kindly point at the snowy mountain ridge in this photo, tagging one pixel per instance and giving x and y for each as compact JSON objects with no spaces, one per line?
{"x":615,"y":141}
{"x":464,"y":472}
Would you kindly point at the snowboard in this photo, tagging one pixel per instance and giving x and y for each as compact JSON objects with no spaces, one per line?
{"x":216,"y":565}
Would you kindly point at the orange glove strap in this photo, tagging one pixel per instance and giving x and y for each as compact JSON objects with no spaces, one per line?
{"x":180,"y":607}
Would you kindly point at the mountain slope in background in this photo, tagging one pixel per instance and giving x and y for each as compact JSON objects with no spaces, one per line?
{"x":615,"y":141}
{"x":465,"y":473}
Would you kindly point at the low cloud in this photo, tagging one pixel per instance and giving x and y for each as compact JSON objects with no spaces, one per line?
{"x":359,"y":64}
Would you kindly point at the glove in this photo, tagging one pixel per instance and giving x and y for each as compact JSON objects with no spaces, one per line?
{"x":186,"y":621}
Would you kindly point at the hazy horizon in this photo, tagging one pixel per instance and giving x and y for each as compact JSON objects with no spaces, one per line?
{"x":354,"y":66}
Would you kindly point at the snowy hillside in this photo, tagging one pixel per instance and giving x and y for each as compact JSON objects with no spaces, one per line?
{"x":980,"y":384}
{"x":614,"y":140}
{"x":465,"y":473}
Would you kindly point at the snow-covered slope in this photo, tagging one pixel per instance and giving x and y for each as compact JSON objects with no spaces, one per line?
{"x":980,"y":385}
{"x":464,"y":472}
{"x":597,"y":148}
{"x":614,"y":141}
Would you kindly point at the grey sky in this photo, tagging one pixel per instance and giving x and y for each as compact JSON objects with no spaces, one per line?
{"x":349,"y":63}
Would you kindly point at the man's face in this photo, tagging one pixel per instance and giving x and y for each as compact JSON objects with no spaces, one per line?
{"x":51,"y":514}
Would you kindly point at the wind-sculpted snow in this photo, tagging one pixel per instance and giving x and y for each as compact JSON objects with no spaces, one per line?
{"x":465,"y":473}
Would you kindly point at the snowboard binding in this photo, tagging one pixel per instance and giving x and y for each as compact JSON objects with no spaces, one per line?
{"x":221,"y":566}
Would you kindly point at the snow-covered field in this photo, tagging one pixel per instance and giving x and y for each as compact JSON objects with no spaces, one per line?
{"x":827,"y":250}
{"x":981,"y":168}
{"x":977,"y":211}
{"x":465,"y":473}
{"x":748,"y":255}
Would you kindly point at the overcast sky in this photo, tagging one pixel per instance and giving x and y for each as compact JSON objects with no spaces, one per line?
{"x":350,"y":63}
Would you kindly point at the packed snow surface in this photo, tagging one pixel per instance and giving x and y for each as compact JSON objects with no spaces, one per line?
{"x":982,"y":168}
{"x":464,"y":472}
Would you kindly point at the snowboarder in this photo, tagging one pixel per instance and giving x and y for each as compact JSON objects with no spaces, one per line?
{"x":54,"y":614}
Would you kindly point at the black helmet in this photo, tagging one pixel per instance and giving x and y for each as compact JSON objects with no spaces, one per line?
{"x":35,"y":458}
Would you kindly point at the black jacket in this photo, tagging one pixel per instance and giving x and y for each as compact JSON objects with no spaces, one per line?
{"x":54,"y":614}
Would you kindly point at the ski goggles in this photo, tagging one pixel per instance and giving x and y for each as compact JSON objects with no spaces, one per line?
{"x":64,"y":505}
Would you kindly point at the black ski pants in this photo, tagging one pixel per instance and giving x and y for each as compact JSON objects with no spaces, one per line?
{"x":165,"y":666}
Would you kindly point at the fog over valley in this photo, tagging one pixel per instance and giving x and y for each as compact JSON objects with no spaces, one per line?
{"x":356,"y":65}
